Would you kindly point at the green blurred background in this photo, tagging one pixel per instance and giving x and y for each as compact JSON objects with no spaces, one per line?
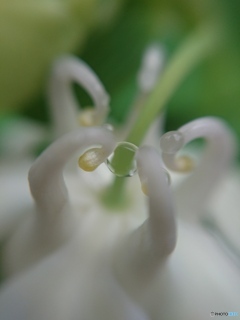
{"x":111,"y":36}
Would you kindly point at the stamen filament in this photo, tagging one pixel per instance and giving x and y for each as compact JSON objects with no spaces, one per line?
{"x":195,"y":191}
{"x":54,"y":220}
{"x":152,"y":65}
{"x":63,"y":104}
{"x":140,"y":255}
{"x":150,"y":72}
{"x":46,"y":174}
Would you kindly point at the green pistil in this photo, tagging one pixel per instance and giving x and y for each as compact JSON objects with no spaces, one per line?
{"x":197,"y":47}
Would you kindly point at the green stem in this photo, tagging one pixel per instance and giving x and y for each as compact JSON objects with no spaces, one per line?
{"x":115,"y":197}
{"x":198,"y":46}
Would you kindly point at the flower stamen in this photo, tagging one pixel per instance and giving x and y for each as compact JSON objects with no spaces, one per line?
{"x":141,"y":254}
{"x":152,"y":65}
{"x":170,"y":143}
{"x":92,"y":158}
{"x":64,"y":106}
{"x":194,"y":192}
{"x":127,"y":167}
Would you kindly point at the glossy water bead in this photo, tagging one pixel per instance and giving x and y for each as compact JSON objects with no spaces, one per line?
{"x":126,"y":167}
{"x":172,"y":141}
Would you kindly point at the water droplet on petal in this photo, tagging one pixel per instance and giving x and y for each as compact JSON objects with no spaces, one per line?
{"x":128,"y":165}
{"x":91,"y":159}
{"x":172,"y":141}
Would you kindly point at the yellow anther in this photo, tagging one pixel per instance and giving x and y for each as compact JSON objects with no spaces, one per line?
{"x":185,"y":164}
{"x":87,"y":118}
{"x":91,"y":159}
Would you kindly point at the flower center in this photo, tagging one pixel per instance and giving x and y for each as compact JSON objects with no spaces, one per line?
{"x":197,"y":47}
{"x":155,"y":90}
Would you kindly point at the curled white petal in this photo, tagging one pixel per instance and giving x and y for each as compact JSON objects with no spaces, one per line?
{"x":152,"y":65}
{"x":53,"y":222}
{"x":220,"y":150}
{"x":63,"y":105}
{"x":148,"y":75}
{"x":149,"y":246}
{"x":46,"y":174}
{"x":161,"y":221}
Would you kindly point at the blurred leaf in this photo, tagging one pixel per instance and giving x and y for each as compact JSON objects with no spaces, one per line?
{"x":32,"y":34}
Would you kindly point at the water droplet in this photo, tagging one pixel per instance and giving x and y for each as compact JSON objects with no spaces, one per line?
{"x":172,"y":141}
{"x":127,"y":165}
{"x":91,"y":159}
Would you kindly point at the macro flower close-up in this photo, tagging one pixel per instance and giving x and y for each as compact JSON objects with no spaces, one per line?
{"x":121,"y":203}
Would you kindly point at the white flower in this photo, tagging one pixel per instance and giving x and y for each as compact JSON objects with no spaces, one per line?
{"x":76,"y":258}
{"x":18,"y":141}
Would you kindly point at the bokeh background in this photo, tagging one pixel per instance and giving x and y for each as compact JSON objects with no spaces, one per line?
{"x":111,"y":36}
